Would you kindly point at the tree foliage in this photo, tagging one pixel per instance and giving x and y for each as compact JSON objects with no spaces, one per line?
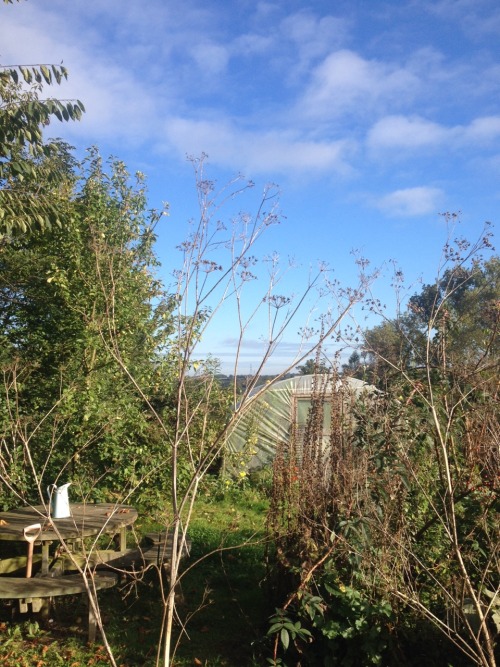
{"x":32,"y":172}
{"x":458,"y":313}
{"x":67,"y":295}
{"x":312,"y":366}
{"x":463,"y":308}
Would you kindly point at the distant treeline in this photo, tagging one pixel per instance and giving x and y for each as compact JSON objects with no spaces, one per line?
{"x":243,"y":380}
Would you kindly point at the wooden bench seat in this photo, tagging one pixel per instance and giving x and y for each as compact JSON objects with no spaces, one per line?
{"x":36,"y":589}
{"x":18,"y":588}
{"x":156,"y":549}
{"x":153,"y":551}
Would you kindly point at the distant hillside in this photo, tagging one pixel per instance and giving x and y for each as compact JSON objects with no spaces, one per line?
{"x":241,"y":380}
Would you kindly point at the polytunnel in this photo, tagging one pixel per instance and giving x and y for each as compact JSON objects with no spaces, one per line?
{"x":271,"y":417}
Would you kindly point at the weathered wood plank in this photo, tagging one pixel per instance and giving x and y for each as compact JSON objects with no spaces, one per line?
{"x":17,"y":564}
{"x":18,"y":588}
{"x":86,"y":520}
{"x":163,"y":542}
{"x":69,"y":562}
{"x":156,"y":551}
{"x":132,"y":559}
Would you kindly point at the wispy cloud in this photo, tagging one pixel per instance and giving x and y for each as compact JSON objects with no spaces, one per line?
{"x":210,"y":56}
{"x":346,"y":83}
{"x":411,"y":202}
{"x":484,"y":129}
{"x":313,"y":36}
{"x":185,"y":77}
{"x":406,"y":132}
{"x":257,"y":151}
{"x":117,"y":103}
{"x":413,"y":132}
{"x":476,"y":17}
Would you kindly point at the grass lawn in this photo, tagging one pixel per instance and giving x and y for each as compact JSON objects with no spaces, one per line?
{"x":230,"y":584}
{"x":222,"y":600}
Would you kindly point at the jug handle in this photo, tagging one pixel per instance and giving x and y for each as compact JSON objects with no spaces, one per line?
{"x":50,"y":489}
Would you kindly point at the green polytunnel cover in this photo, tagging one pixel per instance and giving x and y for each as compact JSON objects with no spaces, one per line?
{"x":270,"y":417}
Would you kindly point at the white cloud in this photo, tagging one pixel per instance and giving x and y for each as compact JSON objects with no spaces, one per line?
{"x":314,"y":36}
{"x":117,"y":103}
{"x":484,"y":129}
{"x":290,"y":43}
{"x":410,"y":133}
{"x":347,"y":83}
{"x":477,"y":18}
{"x":143,"y":72}
{"x":255,"y":151}
{"x":210,"y":57}
{"x":264,"y":10}
{"x":251,"y":44}
{"x":411,"y":202}
{"x":406,"y":132}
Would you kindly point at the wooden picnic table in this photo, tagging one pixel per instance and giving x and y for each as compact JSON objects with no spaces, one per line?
{"x":86,"y":520}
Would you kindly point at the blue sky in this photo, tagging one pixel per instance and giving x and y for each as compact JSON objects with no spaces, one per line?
{"x":373,"y":117}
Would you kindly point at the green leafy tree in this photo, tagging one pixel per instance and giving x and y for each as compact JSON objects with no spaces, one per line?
{"x":68,"y":297}
{"x":32,"y":171}
{"x":355,"y":366}
{"x":463,"y":307}
{"x":391,"y":345}
{"x":312,"y":366}
{"x":458,"y":313}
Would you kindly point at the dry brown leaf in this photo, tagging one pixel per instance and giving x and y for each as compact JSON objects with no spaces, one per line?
{"x":3,"y":522}
{"x":197,"y":662}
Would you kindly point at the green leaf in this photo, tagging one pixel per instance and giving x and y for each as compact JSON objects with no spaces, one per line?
{"x":56,"y":73}
{"x":26,"y":74}
{"x":46,"y":74}
{"x":16,"y":167}
{"x":285,"y":638}
{"x":274,"y":628}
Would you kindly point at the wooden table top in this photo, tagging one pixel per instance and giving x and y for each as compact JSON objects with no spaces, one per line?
{"x":86,"y":520}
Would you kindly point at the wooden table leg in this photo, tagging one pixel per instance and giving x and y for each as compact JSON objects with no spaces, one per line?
{"x":45,"y":558}
{"x":123,"y":538}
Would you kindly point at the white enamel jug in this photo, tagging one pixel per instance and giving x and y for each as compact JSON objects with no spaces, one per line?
{"x":59,"y":501}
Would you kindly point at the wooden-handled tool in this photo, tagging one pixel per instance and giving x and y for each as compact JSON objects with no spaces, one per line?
{"x":31,"y":533}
